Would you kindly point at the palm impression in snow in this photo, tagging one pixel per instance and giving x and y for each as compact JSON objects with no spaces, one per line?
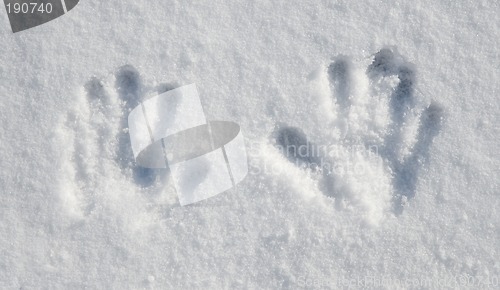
{"x":97,"y":151}
{"x":171,"y":131}
{"x":384,"y":130}
{"x":25,"y":14}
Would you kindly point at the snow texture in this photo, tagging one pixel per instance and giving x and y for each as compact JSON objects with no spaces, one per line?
{"x":371,"y":131}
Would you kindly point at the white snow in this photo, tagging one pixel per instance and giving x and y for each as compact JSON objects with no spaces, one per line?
{"x":76,"y":212}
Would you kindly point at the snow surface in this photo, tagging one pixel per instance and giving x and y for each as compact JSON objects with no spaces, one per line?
{"x":76,"y":212}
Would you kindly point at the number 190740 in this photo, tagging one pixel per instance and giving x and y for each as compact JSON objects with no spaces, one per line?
{"x":29,"y":8}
